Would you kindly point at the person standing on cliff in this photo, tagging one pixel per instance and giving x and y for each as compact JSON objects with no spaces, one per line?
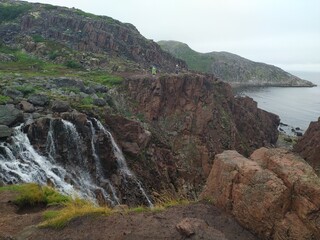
{"x":177,"y":69}
{"x":153,"y":70}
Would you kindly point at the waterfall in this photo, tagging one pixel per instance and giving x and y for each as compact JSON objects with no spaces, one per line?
{"x":19,"y":162}
{"x":99,"y":172}
{"x":122,"y":164}
{"x":68,"y":167}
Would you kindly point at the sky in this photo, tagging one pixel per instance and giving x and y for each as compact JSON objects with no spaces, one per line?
{"x":285,"y":33}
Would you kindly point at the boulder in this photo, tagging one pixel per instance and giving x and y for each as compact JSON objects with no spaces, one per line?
{"x":27,"y":107}
{"x":198,"y":227}
{"x":39,"y":100}
{"x":275,"y":193}
{"x":13,"y":93}
{"x":9,"y":115}
{"x":99,"y":102}
{"x":5,"y":131}
{"x":60,"y":106}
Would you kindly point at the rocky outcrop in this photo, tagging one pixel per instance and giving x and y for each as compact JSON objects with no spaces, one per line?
{"x":274,"y":193}
{"x":196,"y":117}
{"x":308,"y":146}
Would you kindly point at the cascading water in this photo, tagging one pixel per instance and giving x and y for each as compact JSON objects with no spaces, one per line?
{"x":99,"y":173}
{"x":122,"y":164}
{"x":19,"y":162}
{"x":66,"y":167}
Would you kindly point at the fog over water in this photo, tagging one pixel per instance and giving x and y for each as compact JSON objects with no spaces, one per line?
{"x":295,"y":106}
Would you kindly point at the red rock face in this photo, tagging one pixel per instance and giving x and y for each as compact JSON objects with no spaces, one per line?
{"x":308,"y":146}
{"x":198,"y":117}
{"x":274,"y":193}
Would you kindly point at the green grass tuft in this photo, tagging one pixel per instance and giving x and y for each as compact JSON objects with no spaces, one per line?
{"x":74,"y":209}
{"x":4,"y":99}
{"x":31,"y":194}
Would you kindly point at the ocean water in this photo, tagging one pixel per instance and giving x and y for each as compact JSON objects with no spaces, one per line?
{"x":295,"y":106}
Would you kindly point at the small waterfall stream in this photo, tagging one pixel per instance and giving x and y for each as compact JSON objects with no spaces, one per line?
{"x":20,"y":162}
{"x":123,"y":167}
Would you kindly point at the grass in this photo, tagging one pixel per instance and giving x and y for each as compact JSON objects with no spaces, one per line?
{"x":4,"y":99}
{"x":71,"y":210}
{"x":31,"y":194}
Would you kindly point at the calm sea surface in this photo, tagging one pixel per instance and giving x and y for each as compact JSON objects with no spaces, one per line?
{"x":296,"y":107}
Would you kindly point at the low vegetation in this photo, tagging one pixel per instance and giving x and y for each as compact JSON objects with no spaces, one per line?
{"x":31,"y":194}
{"x":72,"y":210}
{"x":11,"y":12}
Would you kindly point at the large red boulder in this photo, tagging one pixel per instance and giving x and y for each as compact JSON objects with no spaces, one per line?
{"x":274,"y":193}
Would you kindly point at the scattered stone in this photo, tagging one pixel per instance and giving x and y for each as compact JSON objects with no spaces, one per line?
{"x":39,"y":100}
{"x":9,"y":115}
{"x":5,"y":131}
{"x":299,"y":134}
{"x":27,"y":107}
{"x":13,"y":93}
{"x":99,"y":102}
{"x":60,"y":106}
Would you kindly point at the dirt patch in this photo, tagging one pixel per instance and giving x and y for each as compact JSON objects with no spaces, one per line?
{"x":146,"y":225}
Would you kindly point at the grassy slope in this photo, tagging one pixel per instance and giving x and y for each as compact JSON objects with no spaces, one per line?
{"x":228,"y":66}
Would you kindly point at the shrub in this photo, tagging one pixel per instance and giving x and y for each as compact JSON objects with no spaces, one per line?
{"x":38,"y":38}
{"x":4,"y":99}
{"x":26,"y":89}
{"x":11,"y":12}
{"x":72,"y":64}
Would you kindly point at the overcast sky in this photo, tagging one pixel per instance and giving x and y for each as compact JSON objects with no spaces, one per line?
{"x":285,"y":33}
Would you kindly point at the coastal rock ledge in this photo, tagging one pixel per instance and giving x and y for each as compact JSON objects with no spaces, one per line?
{"x":274,"y":193}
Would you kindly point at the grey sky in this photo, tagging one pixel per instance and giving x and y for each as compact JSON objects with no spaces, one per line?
{"x":285,"y":33}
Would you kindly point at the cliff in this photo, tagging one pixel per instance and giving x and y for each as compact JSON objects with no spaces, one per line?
{"x":169,"y":129}
{"x":308,"y":146}
{"x":232,"y":68}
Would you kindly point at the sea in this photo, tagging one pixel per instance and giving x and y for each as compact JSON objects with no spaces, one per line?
{"x":296,"y":106}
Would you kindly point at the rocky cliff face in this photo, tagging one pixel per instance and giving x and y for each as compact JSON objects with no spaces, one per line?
{"x":40,"y":28}
{"x":274,"y":193}
{"x":308,"y":146}
{"x":169,"y":129}
{"x":196,"y":117}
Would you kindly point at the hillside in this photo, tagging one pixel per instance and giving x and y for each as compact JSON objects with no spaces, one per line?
{"x":233,"y":68}
{"x":71,"y":36}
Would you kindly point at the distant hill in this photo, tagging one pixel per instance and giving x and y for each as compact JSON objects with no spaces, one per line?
{"x":232,"y":68}
{"x":61,"y":34}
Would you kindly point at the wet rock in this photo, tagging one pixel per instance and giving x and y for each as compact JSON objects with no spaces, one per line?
{"x":274,"y":189}
{"x":60,"y":106}
{"x":39,"y":100}
{"x":9,"y":115}
{"x":5,"y":131}
{"x":26,"y":107}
